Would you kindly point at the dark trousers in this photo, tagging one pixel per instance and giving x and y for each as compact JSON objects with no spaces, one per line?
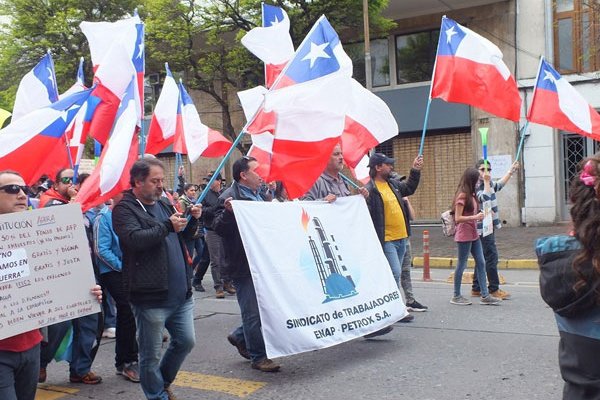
{"x":126,"y":347}
{"x":490,"y":253}
{"x":201,"y":266}
{"x":19,"y":373}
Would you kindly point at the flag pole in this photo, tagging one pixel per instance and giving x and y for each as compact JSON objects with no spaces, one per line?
{"x":426,"y":119}
{"x":349,"y":181}
{"x":522,"y":140}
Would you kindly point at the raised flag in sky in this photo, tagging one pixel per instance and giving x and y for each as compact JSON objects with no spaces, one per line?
{"x":37,"y":88}
{"x":469,"y":69}
{"x":111,"y":175}
{"x":271,"y":42}
{"x":112,"y":78}
{"x":193,"y":137}
{"x":558,"y":104}
{"x":164,"y":120}
{"x":320,"y":54}
{"x":40,"y":137}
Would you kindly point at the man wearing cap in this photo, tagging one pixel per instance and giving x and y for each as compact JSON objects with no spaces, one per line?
{"x":388,"y":211}
{"x":213,"y":240}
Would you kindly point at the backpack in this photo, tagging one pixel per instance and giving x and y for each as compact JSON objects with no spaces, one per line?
{"x":448,"y":223}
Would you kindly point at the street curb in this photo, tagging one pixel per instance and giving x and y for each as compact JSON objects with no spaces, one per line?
{"x":450,"y":263}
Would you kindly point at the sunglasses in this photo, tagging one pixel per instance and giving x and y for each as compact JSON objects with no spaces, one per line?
{"x":66,"y":180}
{"x":484,"y":169}
{"x":14,"y":189}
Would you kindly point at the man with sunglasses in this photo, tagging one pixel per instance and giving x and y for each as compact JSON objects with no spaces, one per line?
{"x":490,"y":252}
{"x":62,"y":191}
{"x":20,"y":354}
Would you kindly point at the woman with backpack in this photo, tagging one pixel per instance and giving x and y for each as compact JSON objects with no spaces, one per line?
{"x":570,"y":285}
{"x":466,"y":215}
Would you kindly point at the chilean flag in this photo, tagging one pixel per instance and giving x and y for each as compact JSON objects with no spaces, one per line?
{"x":40,"y":138}
{"x":112,"y":77}
{"x":164,"y":120}
{"x":271,"y":42}
{"x":111,"y":175}
{"x":557,"y":104}
{"x":75,"y":136}
{"x":469,"y":69}
{"x":194,"y":138}
{"x":102,"y":38}
{"x":37,"y":89}
{"x":262,"y":143}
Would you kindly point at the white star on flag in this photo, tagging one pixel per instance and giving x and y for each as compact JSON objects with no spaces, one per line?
{"x":140,"y":50}
{"x":275,"y":22}
{"x":449,"y":33}
{"x":65,"y":113}
{"x":549,"y":77}
{"x":316,"y":51}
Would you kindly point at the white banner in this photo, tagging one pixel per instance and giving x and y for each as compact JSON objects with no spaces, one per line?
{"x":320,"y":274}
{"x":46,"y":271}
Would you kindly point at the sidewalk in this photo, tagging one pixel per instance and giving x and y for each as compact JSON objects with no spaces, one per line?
{"x":515,"y":246}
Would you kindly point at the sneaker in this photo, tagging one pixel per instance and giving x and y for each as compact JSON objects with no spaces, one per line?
{"x":109,"y":333}
{"x":501,"y":294}
{"x":228,"y":287}
{"x":42,"y":376}
{"x":475,"y":293}
{"x":170,"y":394}
{"x":266,"y":365}
{"x":240,"y":346}
{"x":220,"y":294}
{"x":131,"y":371}
{"x":408,"y":318}
{"x":490,"y":300}
{"x":199,"y":288}
{"x":460,"y":301}
{"x":381,"y":332}
{"x":415,"y":306}
{"x":89,"y":379}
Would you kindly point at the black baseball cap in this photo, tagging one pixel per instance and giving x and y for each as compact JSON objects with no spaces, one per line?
{"x":378,"y":159}
{"x":209,"y":176}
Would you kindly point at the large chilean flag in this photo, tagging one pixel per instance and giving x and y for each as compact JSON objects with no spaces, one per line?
{"x":37,"y":89}
{"x":558,"y":104}
{"x":164,"y":120}
{"x":36,"y":144}
{"x":469,"y":70}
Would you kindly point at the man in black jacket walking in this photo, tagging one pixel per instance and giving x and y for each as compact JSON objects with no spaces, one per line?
{"x":247,"y":338}
{"x":157,"y":274}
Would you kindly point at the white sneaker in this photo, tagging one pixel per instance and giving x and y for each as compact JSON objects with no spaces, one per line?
{"x":109,"y":333}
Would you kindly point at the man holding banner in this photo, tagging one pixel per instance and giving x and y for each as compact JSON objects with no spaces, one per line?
{"x":247,"y":338}
{"x":20,"y":354}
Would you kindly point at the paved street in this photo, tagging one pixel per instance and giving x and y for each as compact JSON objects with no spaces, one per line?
{"x":448,"y":353}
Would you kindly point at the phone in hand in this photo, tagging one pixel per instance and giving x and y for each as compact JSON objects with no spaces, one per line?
{"x":187,"y":212}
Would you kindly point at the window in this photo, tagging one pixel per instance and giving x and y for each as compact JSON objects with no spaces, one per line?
{"x":576,"y":33}
{"x":380,"y":61}
{"x":415,"y":56}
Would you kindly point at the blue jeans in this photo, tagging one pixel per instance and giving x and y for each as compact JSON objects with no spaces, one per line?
{"x":476,"y":251}
{"x":155,"y":373}
{"x":250,"y":331}
{"x":394,"y":252}
{"x":490,"y":253}
{"x":19,"y":373}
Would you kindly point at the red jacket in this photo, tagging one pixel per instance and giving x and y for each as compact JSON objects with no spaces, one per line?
{"x":21,"y":342}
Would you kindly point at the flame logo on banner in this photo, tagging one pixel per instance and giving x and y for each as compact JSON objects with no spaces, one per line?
{"x":305,"y":220}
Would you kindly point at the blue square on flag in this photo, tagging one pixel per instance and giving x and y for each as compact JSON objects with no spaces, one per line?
{"x":316,"y":57}
{"x":450,"y":37}
{"x":271,"y":15}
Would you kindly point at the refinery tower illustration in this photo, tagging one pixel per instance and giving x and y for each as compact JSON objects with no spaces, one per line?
{"x":336,"y":281}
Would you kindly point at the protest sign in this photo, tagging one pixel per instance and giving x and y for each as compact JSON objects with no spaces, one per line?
{"x":46,"y":271}
{"x":319,"y":271}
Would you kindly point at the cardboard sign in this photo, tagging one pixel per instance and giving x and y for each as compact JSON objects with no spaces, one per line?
{"x":488,"y":221}
{"x":46,"y":270}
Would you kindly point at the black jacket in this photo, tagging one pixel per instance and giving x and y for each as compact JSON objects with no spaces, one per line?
{"x":224,"y":223}
{"x":400,"y":189}
{"x":210,"y":204}
{"x":577,"y":315}
{"x":142,"y":240}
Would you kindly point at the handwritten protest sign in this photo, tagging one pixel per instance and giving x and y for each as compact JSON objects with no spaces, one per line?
{"x":46,"y":271}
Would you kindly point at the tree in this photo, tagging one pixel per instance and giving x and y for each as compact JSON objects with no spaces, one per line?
{"x":203,"y":40}
{"x":33,"y":27}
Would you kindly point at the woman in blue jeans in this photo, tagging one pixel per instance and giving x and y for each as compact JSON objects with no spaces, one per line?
{"x":466,"y":215}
